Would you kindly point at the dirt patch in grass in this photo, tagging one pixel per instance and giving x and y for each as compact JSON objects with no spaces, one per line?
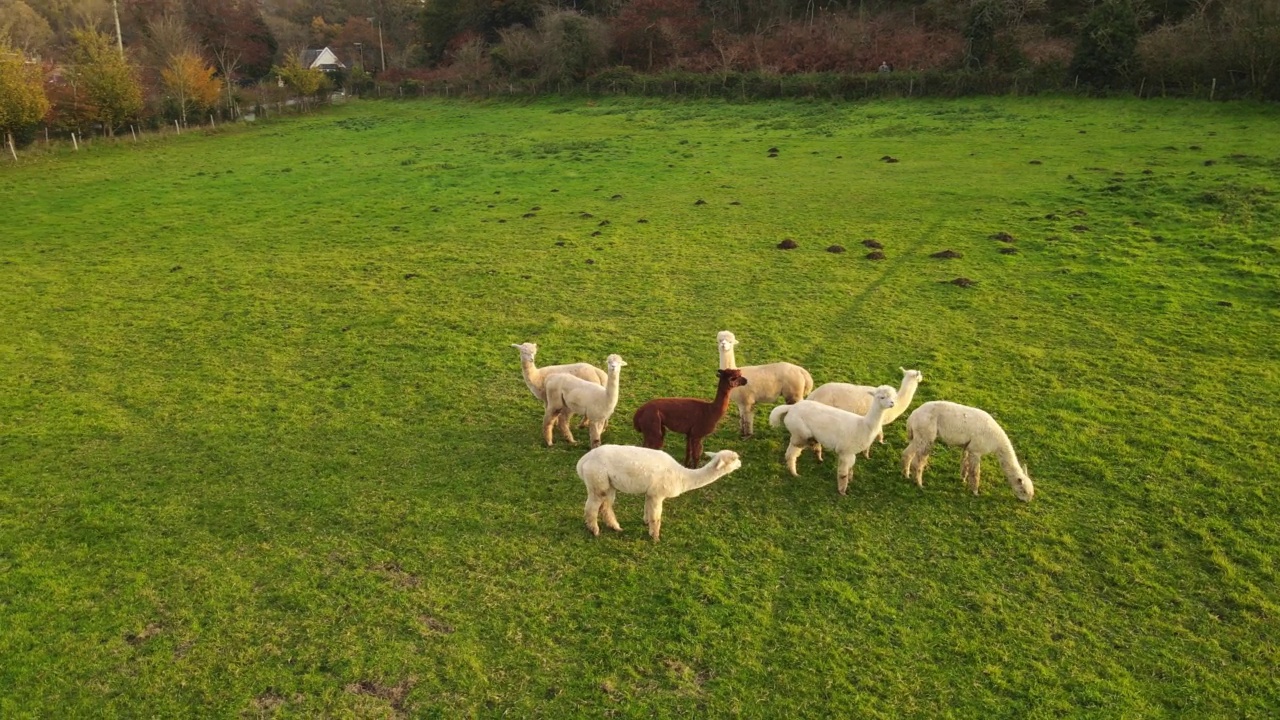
{"x":735,"y":202}
{"x":876,"y":255}
{"x":150,"y":631}
{"x":1080,"y":228}
{"x":616,"y":197}
{"x":436,"y":625}
{"x":596,"y":233}
{"x":393,"y":694}
{"x":392,"y":571}
{"x":788,"y":244}
{"x":1077,"y":213}
{"x":963,"y":282}
{"x":1008,"y":251}
{"x":889,"y":159}
{"x":835,"y":248}
{"x":586,"y":216}
{"x":642,"y":221}
{"x":873,"y":244}
{"x":946,"y":255}
{"x":529,"y":215}
{"x":1004,"y":237}
{"x":1035,"y":162}
{"x":700,"y":201}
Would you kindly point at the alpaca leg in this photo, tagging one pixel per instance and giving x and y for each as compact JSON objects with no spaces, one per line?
{"x":610,"y":520}
{"x":648,"y":511}
{"x":746,"y":414}
{"x":844,"y":473}
{"x":692,"y":451}
{"x":817,"y":449}
{"x":921,"y":463}
{"x":592,"y":509}
{"x":793,"y":451}
{"x":655,"y":520}
{"x":972,"y":468}
{"x":548,"y":423}
{"x":564,"y":427}
{"x":880,"y":437}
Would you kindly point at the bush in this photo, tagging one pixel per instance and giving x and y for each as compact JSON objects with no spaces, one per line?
{"x":1108,"y":44}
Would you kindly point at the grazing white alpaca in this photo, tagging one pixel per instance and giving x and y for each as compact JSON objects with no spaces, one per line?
{"x":857,"y":399}
{"x":568,"y":395}
{"x":765,"y":383}
{"x":610,"y":469}
{"x":844,"y":432}
{"x":967,"y":427}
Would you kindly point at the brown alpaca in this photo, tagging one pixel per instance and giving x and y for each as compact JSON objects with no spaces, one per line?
{"x":695,"y":418}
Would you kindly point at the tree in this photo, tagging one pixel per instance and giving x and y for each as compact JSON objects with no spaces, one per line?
{"x":106,"y":85}
{"x":24,"y":27}
{"x":190,"y":83}
{"x":238,"y":26}
{"x":22,"y":98}
{"x":1108,"y":43}
{"x":650,"y":34}
{"x":304,"y":82}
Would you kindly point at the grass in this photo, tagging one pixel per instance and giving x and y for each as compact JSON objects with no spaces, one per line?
{"x":265,"y":450}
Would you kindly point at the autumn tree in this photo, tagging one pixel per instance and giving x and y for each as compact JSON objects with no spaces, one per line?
{"x":107,"y":87}
{"x":24,"y":28}
{"x":304,"y":82}
{"x":237,"y":28}
{"x":190,"y":83}
{"x":22,"y":98}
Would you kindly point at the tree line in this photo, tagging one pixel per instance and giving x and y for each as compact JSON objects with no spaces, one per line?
{"x":99,"y":64}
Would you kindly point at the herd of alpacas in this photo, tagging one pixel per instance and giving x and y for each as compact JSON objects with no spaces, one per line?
{"x":842,"y":417}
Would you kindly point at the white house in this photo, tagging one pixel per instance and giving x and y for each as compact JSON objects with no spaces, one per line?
{"x":322,"y":59}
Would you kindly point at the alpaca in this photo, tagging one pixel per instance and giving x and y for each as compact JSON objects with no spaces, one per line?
{"x":857,"y":399}
{"x":765,"y":383}
{"x":567,"y":395}
{"x":695,"y":418}
{"x":535,"y":377}
{"x":610,"y":469}
{"x":969,"y":428}
{"x":845,"y":432}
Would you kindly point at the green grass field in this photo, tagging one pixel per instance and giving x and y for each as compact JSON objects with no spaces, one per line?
{"x":265,"y":449}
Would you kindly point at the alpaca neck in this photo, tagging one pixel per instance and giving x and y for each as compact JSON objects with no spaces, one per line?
{"x":876,"y":416}
{"x":727,"y":360}
{"x":721,"y":402}
{"x":1008,"y":458}
{"x":530,"y":370}
{"x":611,"y":390}
{"x":703,"y":476}
{"x":907,"y":392}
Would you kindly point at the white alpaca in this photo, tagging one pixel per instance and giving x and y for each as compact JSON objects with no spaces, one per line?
{"x":844,"y":432}
{"x":765,"y":383}
{"x":535,"y":377}
{"x":568,"y":395}
{"x":969,"y":428}
{"x":857,"y":399}
{"x":610,"y":469}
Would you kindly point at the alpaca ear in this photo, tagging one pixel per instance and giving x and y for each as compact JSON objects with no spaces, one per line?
{"x":1025,"y":473}
{"x":901,"y":369}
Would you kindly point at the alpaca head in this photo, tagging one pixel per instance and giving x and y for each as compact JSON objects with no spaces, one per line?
{"x":885,"y":396}
{"x":527,"y":350}
{"x":732,"y":377}
{"x":1021,"y":484}
{"x":614,"y":363}
{"x":911,"y":375}
{"x":726,"y":340}
{"x":725,"y":461}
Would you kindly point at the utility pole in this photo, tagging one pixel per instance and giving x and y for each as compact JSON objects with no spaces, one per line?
{"x":115,"y":10}
{"x":381,"y":50}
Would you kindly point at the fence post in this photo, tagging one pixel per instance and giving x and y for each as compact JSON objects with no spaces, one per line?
{"x":1213,"y":88}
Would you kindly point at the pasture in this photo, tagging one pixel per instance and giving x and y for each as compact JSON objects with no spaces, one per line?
{"x":265,"y":449}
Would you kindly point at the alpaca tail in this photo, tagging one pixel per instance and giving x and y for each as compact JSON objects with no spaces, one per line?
{"x":780,"y":412}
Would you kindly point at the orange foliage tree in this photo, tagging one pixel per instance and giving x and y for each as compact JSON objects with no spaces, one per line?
{"x":190,"y":84}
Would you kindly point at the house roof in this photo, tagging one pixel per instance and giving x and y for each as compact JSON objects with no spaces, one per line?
{"x":322,"y":59}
